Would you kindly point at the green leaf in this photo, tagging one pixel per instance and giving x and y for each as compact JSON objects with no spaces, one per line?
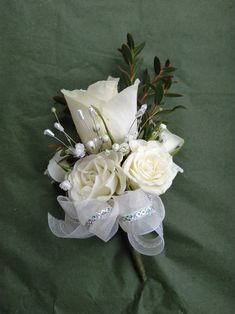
{"x":155,"y":132}
{"x":148,"y":130}
{"x":145,"y":81}
{"x":167,"y":63}
{"x":137,"y":63}
{"x":139,"y":48}
{"x":146,"y":77}
{"x":126,"y":77}
{"x":64,"y":166}
{"x":166,"y":111}
{"x":63,"y":153}
{"x":167,"y":83}
{"x":165,"y":76}
{"x":60,"y":99}
{"x":159,"y":92}
{"x":127,"y":54}
{"x":157,"y":65}
{"x":130,"y":41}
{"x":168,"y":70}
{"x":173,"y":95}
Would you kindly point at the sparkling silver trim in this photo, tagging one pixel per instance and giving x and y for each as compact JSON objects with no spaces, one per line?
{"x":138,"y":214}
{"x":98,"y":215}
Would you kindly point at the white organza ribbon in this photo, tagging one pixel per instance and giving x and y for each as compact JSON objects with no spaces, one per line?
{"x":138,"y":214}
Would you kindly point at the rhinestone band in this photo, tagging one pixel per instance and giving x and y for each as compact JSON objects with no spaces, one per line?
{"x":138,"y":214}
{"x":99,"y":215}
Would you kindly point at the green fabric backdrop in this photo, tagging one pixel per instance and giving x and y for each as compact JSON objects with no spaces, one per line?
{"x":48,"y":45}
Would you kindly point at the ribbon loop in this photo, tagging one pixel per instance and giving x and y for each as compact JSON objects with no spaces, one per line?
{"x":70,"y":227}
{"x":99,"y":217}
{"x":148,"y":246}
{"x":137,"y":213}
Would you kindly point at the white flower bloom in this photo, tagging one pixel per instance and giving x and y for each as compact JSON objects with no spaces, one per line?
{"x":65,"y":185}
{"x":170,"y":141}
{"x":124,"y":149}
{"x":80,"y":150}
{"x":97,"y":177}
{"x":117,"y":109}
{"x":150,"y":167}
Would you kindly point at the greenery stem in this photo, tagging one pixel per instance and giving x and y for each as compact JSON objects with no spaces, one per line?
{"x":149,"y":118}
{"x":139,"y":265}
{"x":105,"y":125}
{"x":136,"y":258}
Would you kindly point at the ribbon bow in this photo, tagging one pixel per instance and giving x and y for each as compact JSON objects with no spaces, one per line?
{"x":137,"y":213}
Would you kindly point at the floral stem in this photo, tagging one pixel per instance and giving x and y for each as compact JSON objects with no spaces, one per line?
{"x":105,"y":125}
{"x":137,"y":259}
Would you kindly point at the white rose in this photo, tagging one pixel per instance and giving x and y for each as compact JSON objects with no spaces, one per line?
{"x":117,"y":109}
{"x":97,"y":177}
{"x":150,"y":167}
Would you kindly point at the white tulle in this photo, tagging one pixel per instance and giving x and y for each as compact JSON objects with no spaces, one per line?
{"x":137,"y":213}
{"x":54,"y":170}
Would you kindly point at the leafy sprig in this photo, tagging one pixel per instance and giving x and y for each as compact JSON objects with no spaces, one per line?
{"x":153,"y":88}
{"x":130,"y":53}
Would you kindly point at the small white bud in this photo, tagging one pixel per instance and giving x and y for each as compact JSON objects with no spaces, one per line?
{"x":65,"y":185}
{"x":124,"y":148}
{"x":141,"y":111}
{"x":105,"y":138}
{"x":79,"y":150}
{"x":144,"y":107}
{"x":53,"y":109}
{"x":115,"y":147}
{"x":48,"y":132}
{"x":59,"y":127}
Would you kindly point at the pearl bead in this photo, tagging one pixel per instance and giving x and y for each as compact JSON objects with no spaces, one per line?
{"x":59,"y":127}
{"x":48,"y":132}
{"x":115,"y":147}
{"x":91,"y":145}
{"x":105,"y":138}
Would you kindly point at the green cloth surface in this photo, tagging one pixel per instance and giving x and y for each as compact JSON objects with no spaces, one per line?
{"x":48,"y":45}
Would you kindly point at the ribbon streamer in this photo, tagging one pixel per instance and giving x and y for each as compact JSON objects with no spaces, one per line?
{"x":138,"y":214}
